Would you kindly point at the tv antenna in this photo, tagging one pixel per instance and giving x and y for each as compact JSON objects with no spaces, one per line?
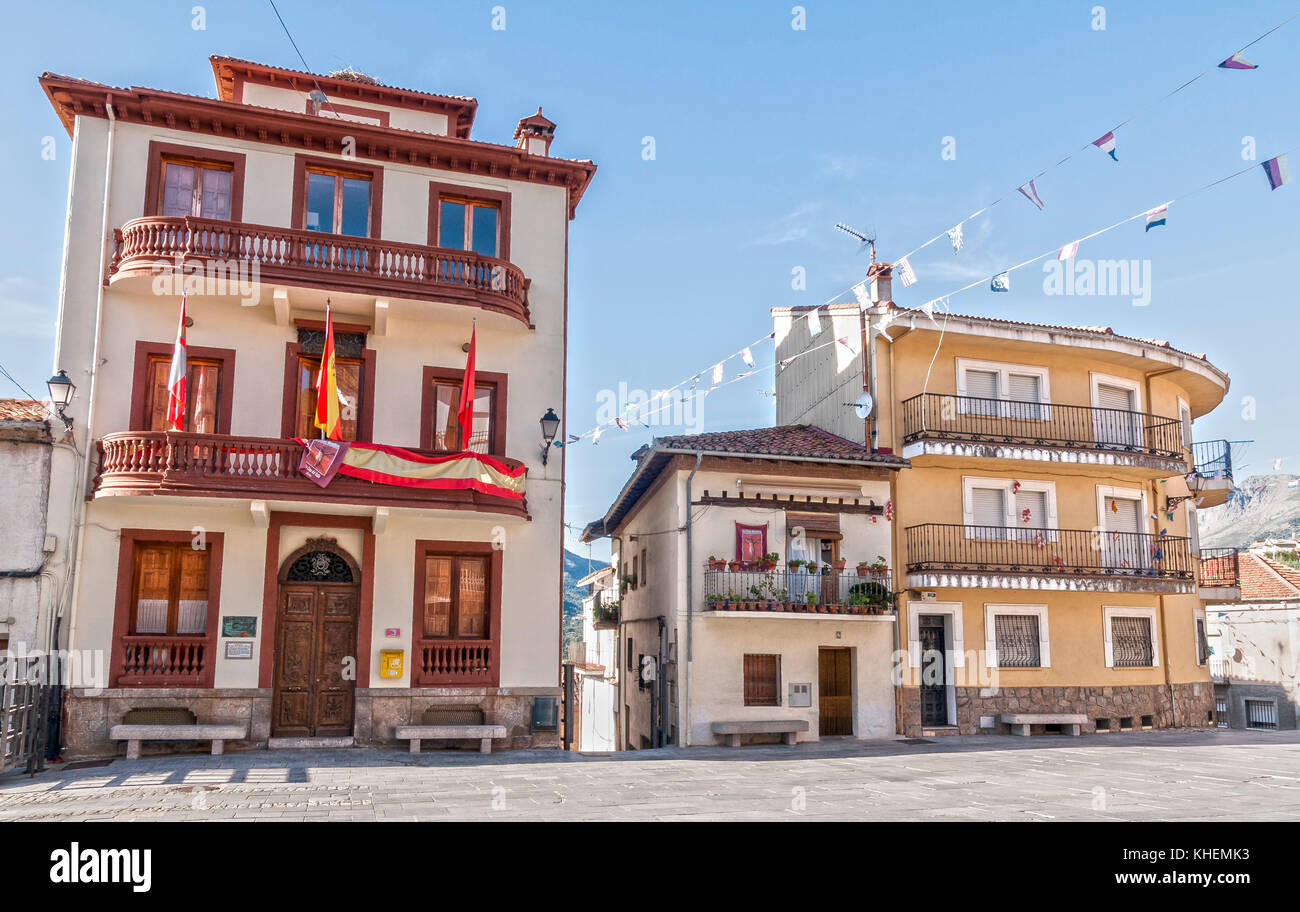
{"x":865,"y":240}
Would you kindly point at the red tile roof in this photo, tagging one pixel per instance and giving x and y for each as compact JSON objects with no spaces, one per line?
{"x":786,"y":440}
{"x":1260,"y":579}
{"x":23,"y":410}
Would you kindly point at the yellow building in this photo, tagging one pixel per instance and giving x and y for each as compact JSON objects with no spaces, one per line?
{"x":1044,"y":535}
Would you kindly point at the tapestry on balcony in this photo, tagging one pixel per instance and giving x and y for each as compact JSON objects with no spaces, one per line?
{"x":382,"y":464}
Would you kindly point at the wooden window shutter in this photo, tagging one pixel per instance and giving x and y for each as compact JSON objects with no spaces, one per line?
{"x":762,"y":684}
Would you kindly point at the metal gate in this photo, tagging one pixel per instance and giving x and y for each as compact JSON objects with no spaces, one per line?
{"x":24,"y":717}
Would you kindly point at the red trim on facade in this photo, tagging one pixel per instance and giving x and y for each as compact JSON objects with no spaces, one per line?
{"x":501,"y":198}
{"x":236,"y":161}
{"x":499,"y":381}
{"x":122,"y":604}
{"x":495,"y":555}
{"x":328,"y":109}
{"x":271,"y":588}
{"x":140,"y":380}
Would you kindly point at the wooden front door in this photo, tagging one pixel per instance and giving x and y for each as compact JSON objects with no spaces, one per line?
{"x":834,"y":692}
{"x":315,"y":659}
{"x":934,"y":671}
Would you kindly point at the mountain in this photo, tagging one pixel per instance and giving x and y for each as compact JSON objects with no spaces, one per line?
{"x":575,"y":568}
{"x":1263,"y":506}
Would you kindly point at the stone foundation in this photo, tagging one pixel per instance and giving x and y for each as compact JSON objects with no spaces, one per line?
{"x":89,"y":715}
{"x":1192,"y":706}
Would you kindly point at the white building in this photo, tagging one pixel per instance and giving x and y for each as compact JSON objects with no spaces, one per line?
{"x":595,"y":662}
{"x":25,"y":447}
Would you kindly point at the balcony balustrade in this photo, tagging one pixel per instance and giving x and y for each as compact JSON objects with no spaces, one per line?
{"x":797,"y":591}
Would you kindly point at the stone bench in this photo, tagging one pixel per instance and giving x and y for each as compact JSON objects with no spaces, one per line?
{"x":1020,"y":722}
{"x":786,"y":728}
{"x":417,"y":733}
{"x":217,"y":734}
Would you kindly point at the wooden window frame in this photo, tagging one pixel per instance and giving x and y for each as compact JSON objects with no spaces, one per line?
{"x":128,"y":540}
{"x":160,"y":151}
{"x":500,"y":198}
{"x":745,"y":678}
{"x":289,"y":406}
{"x":425,"y":548}
{"x":500,"y":383}
{"x":139,"y":415}
{"x":348,"y":168}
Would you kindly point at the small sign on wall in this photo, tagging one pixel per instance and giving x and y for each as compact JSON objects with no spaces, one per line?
{"x":239,"y":650}
{"x":236,"y":626}
{"x":393,"y":633}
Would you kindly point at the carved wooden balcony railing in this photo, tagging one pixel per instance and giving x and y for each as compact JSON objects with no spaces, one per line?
{"x":459,"y":662}
{"x":164,"y":661}
{"x":295,"y":256}
{"x":223,"y":465}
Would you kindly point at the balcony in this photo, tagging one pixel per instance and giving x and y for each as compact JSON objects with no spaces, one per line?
{"x":586,"y":656}
{"x":222,"y":465}
{"x":1212,"y":473}
{"x":293,"y":256}
{"x":1219,"y":575}
{"x":964,"y":427}
{"x":1000,"y":557}
{"x":798,"y":593}
{"x":604,"y":615}
{"x":164,"y":661}
{"x":461,"y":663}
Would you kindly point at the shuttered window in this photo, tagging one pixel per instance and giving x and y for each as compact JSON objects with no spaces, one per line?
{"x":1114,"y":397}
{"x":1025,"y":392}
{"x":982,"y":385}
{"x":1116,"y":426}
{"x":1130,"y":639}
{"x":170,"y":590}
{"x":762,"y":680}
{"x":1017,"y":640}
{"x":988,"y":512}
{"x":1122,"y":514}
{"x":455,"y":597}
{"x":1031,"y":509}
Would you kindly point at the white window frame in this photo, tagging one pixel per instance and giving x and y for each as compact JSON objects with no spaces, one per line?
{"x":1113,"y":611}
{"x":1185,"y":427}
{"x":969,"y":482}
{"x":1003,"y":369}
{"x":991,"y":611}
{"x":1095,"y":379}
{"x":1198,"y":614}
{"x":1138,"y":494}
{"x":954,"y":611}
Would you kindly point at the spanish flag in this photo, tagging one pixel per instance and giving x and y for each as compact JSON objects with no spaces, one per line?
{"x":327,"y":386}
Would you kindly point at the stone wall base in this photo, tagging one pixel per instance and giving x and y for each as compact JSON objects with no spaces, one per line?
{"x":1192,"y":706}
{"x":89,"y":716}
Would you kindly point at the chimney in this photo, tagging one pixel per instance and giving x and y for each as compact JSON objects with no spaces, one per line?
{"x":881,"y":276}
{"x":534,"y":134}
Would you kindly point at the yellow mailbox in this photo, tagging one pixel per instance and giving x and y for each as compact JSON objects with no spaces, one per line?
{"x":390,"y":663}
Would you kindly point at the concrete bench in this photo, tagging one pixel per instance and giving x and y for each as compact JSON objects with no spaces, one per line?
{"x":417,"y":733}
{"x":217,"y":734}
{"x":1020,"y":722}
{"x":786,"y":728}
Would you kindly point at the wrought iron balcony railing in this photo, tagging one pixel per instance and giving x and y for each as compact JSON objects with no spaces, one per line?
{"x":1213,"y":458}
{"x":1220,"y":568}
{"x":798,"y":591}
{"x":937,"y":416}
{"x":1054,"y":552}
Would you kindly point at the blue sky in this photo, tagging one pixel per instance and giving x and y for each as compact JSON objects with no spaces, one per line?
{"x":764,"y":137}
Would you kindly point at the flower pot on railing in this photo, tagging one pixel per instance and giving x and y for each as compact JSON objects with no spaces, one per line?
{"x":717,"y":564}
{"x":734,"y":566}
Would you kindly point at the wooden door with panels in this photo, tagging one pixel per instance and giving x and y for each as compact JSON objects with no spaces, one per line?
{"x":834,"y":691}
{"x":316,"y":643}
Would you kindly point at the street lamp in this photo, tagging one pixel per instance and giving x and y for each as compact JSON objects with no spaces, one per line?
{"x":550,"y":427}
{"x":61,"y":390}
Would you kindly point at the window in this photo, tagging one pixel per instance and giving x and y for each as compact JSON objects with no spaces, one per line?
{"x":337,"y":203}
{"x":1116,"y":403}
{"x":1185,"y":419}
{"x":991,"y":388}
{"x":751,"y":544}
{"x":1202,"y":643}
{"x":999,"y":508}
{"x":354,"y":367}
{"x":455,"y":597}
{"x":169,"y":590}
{"x":1221,"y":711}
{"x":191,"y":181}
{"x":350,"y":374}
{"x":470,"y":218}
{"x":202,"y":393}
{"x":1261,"y":714}
{"x":762,"y":680}
{"x":1130,"y":637}
{"x":1015,"y":636}
{"x":439,"y":423}
{"x":1123,"y":519}
{"x":631,"y":655}
{"x":645,"y":569}
{"x":636,"y":576}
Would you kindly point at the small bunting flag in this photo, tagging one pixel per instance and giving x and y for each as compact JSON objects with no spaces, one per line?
{"x":717,"y":373}
{"x":906,"y":274}
{"x":862,"y":291}
{"x":955,"y":237}
{"x":1156,"y":217}
{"x":595,"y":436}
{"x":814,"y":323}
{"x":621,"y":423}
{"x":1107,"y":145}
{"x":1277,"y":171}
{"x":1030,"y":193}
{"x":1001,"y":282}
{"x":747,"y":356}
{"x":1237,"y":62}
{"x":1068,"y":251}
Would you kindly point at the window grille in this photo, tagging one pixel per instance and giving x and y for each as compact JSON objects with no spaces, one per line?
{"x":1130,"y":639}
{"x":1016,"y":639}
{"x":1261,"y":714}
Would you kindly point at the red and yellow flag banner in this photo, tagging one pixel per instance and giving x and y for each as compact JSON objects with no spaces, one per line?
{"x":392,"y":465}
{"x":328,"y":418}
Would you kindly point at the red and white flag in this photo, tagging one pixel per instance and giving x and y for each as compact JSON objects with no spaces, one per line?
{"x":1031,"y":193}
{"x":176,"y":379}
{"x":1068,"y":251}
{"x":465,"y":408}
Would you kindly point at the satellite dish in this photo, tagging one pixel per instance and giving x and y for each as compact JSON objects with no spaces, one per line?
{"x":862,"y":406}
{"x":317,"y":96}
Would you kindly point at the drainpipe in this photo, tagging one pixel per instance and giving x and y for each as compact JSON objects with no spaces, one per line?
{"x":1164,"y":625}
{"x":95,"y":361}
{"x":685,"y":732}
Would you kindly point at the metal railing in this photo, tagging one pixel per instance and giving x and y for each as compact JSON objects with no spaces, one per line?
{"x":938,"y":416}
{"x":25,"y":702}
{"x":583,"y":653}
{"x":1055,"y":552}
{"x":815,"y":592}
{"x":1220,"y":568}
{"x":1212,"y":458}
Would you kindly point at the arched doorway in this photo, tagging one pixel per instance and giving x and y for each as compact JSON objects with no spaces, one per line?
{"x":316,"y":642}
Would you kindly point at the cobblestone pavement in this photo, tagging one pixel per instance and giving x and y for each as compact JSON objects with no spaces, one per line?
{"x":1184,"y":775}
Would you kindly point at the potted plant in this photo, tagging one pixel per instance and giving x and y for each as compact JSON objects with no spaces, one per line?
{"x":733,"y":566}
{"x":879,"y":567}
{"x":794,"y":564}
{"x":716,"y":563}
{"x":864,"y":567}
{"x":811,"y":599}
{"x":839,"y":565}
{"x":770,"y":561}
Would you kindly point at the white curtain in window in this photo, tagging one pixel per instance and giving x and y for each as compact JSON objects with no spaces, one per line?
{"x":192,"y":616}
{"x":151,"y":616}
